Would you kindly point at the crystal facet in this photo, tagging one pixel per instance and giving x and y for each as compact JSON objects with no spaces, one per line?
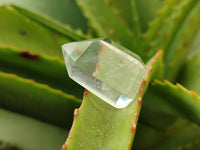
{"x":105,"y":70}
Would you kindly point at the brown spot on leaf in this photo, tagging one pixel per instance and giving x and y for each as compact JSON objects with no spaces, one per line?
{"x":139,"y":100}
{"x":150,"y":69}
{"x":13,"y":75}
{"x":133,"y":123}
{"x":59,"y":91}
{"x":110,"y":2}
{"x":29,"y":56}
{"x":64,"y":147}
{"x":85,"y":92}
{"x":22,"y":32}
{"x":185,"y":44}
{"x":157,"y":33}
{"x":165,"y":35}
{"x":142,"y":87}
{"x":46,"y":86}
{"x":111,"y":31}
{"x":76,"y":112}
{"x":175,"y":16}
{"x":69,"y":137}
{"x":132,"y":34}
{"x":133,"y":127}
{"x":31,"y":80}
{"x":196,"y":95}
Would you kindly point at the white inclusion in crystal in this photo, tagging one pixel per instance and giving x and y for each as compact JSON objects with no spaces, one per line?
{"x":105,"y":70}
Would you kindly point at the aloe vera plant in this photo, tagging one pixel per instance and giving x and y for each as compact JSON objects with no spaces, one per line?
{"x":41,"y":107}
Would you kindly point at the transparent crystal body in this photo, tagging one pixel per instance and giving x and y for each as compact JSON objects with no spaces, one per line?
{"x":105,"y":70}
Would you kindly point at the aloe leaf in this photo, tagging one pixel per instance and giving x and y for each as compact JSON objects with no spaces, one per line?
{"x":146,"y":11}
{"x":42,"y":69}
{"x":181,"y":134}
{"x":146,"y":136}
{"x":170,"y":101}
{"x":106,"y":23}
{"x":98,"y":125}
{"x":127,"y":12}
{"x":195,"y":47}
{"x":190,"y":73}
{"x":20,"y":32}
{"x":182,"y":42}
{"x":36,"y":100}
{"x":20,"y":132}
{"x":62,"y":11}
{"x":61,"y":29}
{"x":157,"y":24}
{"x":173,"y":26}
{"x":176,"y":35}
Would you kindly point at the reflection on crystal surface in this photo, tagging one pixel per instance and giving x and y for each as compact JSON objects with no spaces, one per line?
{"x":106,"y":71}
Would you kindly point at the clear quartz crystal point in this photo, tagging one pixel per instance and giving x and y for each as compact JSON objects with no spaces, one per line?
{"x":105,"y":70}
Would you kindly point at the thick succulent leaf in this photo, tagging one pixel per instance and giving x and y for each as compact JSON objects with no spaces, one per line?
{"x":20,"y":32}
{"x":106,"y":23}
{"x":147,"y":11}
{"x":180,"y":45}
{"x":62,"y":11}
{"x":42,"y":69}
{"x":181,"y":135}
{"x":176,"y":35}
{"x":165,"y":100}
{"x":146,"y":136}
{"x":20,"y":132}
{"x":157,"y":24}
{"x":54,"y":26}
{"x":195,"y":48}
{"x":126,"y":10}
{"x":99,"y":125}
{"x":36,"y":100}
{"x":190,"y":74}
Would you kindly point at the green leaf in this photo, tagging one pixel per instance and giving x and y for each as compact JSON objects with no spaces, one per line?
{"x":155,"y":27}
{"x":36,"y":67}
{"x":127,"y":12}
{"x":180,"y":44}
{"x":20,"y":32}
{"x":36,"y":100}
{"x":181,"y":135}
{"x":54,"y":26}
{"x":27,"y":133}
{"x":62,"y":11}
{"x":146,"y":11}
{"x":175,"y":35}
{"x":190,"y":73}
{"x":106,"y":23}
{"x":99,"y":125}
{"x":165,"y":100}
{"x":195,"y":47}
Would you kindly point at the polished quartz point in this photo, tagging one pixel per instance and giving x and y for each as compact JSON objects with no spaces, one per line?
{"x":105,"y":70}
